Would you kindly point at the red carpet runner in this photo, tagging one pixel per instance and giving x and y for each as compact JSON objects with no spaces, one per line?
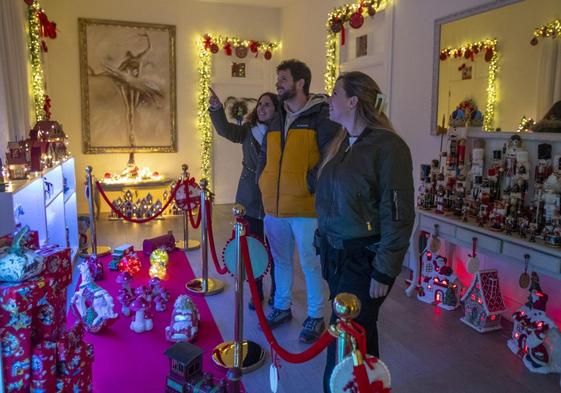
{"x":126,"y":361}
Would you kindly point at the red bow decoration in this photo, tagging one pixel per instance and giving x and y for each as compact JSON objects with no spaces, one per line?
{"x":228,"y":49}
{"x":254,"y":47}
{"x":47,"y":107}
{"x":207,"y":41}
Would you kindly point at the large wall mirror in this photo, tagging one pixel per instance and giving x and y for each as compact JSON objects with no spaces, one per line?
{"x":506,"y":81}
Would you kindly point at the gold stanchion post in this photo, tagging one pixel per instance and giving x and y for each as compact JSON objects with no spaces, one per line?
{"x":347,"y":307}
{"x":233,"y":355}
{"x":204,"y":285}
{"x":186,"y":244}
{"x":94,"y":250}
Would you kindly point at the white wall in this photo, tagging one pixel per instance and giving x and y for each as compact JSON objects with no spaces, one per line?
{"x":190,"y":18}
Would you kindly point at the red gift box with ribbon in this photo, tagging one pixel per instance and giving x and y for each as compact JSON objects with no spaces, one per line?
{"x":74,"y":362}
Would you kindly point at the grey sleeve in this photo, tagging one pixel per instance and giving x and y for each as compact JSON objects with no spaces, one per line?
{"x":396,"y":208}
{"x":230,"y":131}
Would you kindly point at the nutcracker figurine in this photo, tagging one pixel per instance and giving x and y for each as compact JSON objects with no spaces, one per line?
{"x":513,"y":146}
{"x":551,"y":198}
{"x":544,"y":168}
{"x":494,"y":173}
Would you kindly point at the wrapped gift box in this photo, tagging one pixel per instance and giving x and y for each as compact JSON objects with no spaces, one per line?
{"x":43,"y":368}
{"x":31,"y":240}
{"x":57,"y":264}
{"x":74,"y":362}
{"x":49,"y":316}
{"x":17,"y":302}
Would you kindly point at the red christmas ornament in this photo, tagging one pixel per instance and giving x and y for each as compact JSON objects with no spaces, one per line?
{"x":241,"y":51}
{"x":129,"y":263}
{"x":214,"y":48}
{"x":336,"y":25}
{"x":268,"y":55}
{"x":357,"y":20}
{"x":228,"y":49}
{"x":443,"y":56}
{"x":254,"y":47}
{"x":489,"y":54}
{"x":107,"y":175}
{"x":534,"y":41}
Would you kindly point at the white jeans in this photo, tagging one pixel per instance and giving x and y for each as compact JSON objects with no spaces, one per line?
{"x":282,"y":233}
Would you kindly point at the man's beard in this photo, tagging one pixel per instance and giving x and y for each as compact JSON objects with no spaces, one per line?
{"x":288,"y":94}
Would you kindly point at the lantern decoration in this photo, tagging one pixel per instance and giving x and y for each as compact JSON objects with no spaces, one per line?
{"x":130,"y":263}
{"x":158,"y":264}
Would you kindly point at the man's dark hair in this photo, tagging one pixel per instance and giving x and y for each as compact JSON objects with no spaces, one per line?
{"x":298,"y":70}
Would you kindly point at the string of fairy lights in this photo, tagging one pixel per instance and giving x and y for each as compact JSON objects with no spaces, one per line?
{"x":469,"y":51}
{"x":34,"y":46}
{"x":208,"y":44}
{"x":342,"y":15}
{"x":549,"y":30}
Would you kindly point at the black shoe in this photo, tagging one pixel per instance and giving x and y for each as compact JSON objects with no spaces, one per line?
{"x":278,"y":317}
{"x":313,"y":328}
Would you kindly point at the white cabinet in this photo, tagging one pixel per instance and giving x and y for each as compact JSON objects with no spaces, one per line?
{"x":46,"y":203}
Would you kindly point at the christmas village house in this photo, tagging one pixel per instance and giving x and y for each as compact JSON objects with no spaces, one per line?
{"x":439,"y":285}
{"x":483,"y":302}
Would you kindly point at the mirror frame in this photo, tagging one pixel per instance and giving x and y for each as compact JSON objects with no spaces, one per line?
{"x":436,"y":49}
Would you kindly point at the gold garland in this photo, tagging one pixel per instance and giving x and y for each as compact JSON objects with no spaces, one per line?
{"x":469,"y":51}
{"x":551,"y":29}
{"x":204,"y":50}
{"x":342,"y":15}
{"x":34,"y":46}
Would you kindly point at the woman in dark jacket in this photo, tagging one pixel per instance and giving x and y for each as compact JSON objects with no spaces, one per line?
{"x":364,"y":202}
{"x":250,"y":135}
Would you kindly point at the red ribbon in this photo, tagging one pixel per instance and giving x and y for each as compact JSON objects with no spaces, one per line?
{"x":137,"y":221}
{"x":194,"y":224}
{"x":219,"y":269}
{"x":302,"y":357}
{"x":343,"y":35}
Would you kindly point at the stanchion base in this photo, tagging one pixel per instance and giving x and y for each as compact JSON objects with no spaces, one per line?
{"x":213,"y":286}
{"x":192,"y":244}
{"x":101,"y":251}
{"x":253,"y":356}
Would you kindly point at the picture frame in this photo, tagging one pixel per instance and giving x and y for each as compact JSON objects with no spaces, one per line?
{"x":128,"y":86}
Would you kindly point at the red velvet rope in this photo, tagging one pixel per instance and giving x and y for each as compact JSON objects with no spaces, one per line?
{"x":194,"y":224}
{"x":302,"y":357}
{"x":137,"y":221}
{"x":219,"y":269}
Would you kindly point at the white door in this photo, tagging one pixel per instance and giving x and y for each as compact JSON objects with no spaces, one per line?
{"x":227,"y":156}
{"x":368,"y":49}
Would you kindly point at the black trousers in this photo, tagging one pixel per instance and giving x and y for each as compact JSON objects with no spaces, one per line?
{"x":348,"y":270}
{"x":256,"y":229}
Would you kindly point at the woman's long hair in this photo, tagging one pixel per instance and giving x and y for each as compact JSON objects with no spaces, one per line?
{"x":362,"y":86}
{"x":252,"y":119}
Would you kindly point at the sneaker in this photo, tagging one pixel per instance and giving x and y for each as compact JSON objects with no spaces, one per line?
{"x":278,"y":317}
{"x":313,"y":328}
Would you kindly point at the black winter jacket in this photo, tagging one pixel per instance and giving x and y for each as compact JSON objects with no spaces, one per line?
{"x":248,"y":193}
{"x":366,"y":191}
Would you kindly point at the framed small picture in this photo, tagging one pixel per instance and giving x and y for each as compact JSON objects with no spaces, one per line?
{"x":362,"y":45}
{"x":466,"y":72}
{"x":238,"y":70}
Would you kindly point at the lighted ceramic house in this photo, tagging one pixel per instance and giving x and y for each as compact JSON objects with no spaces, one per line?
{"x":535,"y":337}
{"x":483,"y":302}
{"x":439,"y":285}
